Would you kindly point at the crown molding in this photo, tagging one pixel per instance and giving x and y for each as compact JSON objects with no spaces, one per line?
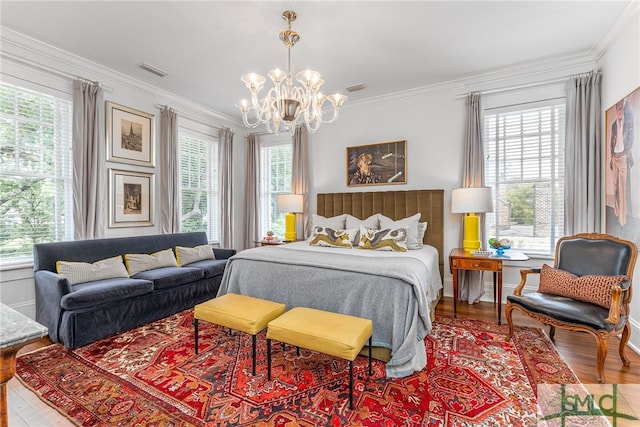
{"x":601,"y":47}
{"x":34,"y":53}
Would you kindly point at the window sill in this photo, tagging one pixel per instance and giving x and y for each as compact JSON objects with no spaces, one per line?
{"x":17,"y":264}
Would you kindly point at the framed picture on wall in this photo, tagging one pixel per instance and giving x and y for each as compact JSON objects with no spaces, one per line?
{"x":377,"y":164}
{"x":130,"y":136}
{"x":622,"y":168}
{"x":130,"y":199}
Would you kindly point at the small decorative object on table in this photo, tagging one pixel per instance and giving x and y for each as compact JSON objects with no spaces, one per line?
{"x":269,"y":236}
{"x":500,"y":245}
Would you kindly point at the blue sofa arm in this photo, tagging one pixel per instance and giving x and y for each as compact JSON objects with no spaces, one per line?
{"x":223,"y":253}
{"x":50,"y":288}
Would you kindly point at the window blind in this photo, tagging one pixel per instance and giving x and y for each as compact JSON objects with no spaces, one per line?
{"x":36,"y":201}
{"x":275,"y":178}
{"x":524,"y":152}
{"x":199,"y":183}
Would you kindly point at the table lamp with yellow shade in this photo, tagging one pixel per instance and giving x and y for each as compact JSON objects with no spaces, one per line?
{"x":290,"y":203}
{"x":470,"y":201}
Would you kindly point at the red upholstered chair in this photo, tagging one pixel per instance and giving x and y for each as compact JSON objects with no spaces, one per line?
{"x":588,"y":290}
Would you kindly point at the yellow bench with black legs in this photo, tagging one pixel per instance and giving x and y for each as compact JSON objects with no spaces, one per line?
{"x":337,"y":335}
{"x":239,"y":312}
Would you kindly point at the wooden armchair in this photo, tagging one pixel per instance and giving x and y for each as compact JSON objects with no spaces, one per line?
{"x":588,"y":289}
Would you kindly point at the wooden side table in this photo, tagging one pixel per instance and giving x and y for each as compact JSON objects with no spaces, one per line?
{"x":269,"y":242}
{"x":461,"y":260}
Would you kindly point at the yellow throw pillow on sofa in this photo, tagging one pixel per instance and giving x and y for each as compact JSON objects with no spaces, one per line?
{"x":186,"y":256}
{"x":137,"y":263}
{"x":81,"y":272}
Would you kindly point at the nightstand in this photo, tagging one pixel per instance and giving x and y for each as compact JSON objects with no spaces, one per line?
{"x":269,"y":242}
{"x":461,"y":260}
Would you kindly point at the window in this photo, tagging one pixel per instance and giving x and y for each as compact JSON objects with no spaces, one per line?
{"x":199,"y":201}
{"x":275,"y":178}
{"x":35,"y":171}
{"x":524,"y":163}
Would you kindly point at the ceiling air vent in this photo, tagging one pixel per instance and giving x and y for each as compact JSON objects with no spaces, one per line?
{"x":150,"y":68}
{"x":354,"y":88}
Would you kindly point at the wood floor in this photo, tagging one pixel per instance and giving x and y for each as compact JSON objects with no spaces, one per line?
{"x":25,"y":409}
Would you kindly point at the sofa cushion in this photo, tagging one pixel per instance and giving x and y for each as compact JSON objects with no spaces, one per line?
{"x":143,"y":262}
{"x":168,"y":277}
{"x":211,"y":267}
{"x":186,"y":256}
{"x":81,"y":272}
{"x":91,"y":294}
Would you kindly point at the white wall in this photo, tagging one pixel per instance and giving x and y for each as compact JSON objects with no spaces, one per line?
{"x":620,"y":67}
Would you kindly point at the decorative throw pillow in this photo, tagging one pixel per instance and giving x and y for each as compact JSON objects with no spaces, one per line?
{"x":411,"y":222}
{"x":143,"y":262}
{"x":589,"y":288}
{"x":371,"y":222}
{"x":325,"y":236}
{"x":384,"y":240}
{"x":81,"y":272}
{"x":335,"y":222}
{"x":186,"y":256}
{"x":422,"y":228}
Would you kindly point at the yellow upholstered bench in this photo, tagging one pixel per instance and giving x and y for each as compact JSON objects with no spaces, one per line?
{"x":239,"y":312}
{"x":334,"y":334}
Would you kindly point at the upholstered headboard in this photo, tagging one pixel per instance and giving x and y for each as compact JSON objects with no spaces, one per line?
{"x":395,"y":205}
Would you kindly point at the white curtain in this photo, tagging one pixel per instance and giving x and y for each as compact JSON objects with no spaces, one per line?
{"x":252,"y":194}
{"x":471,"y":284}
{"x":89,"y":181}
{"x":300,"y":179}
{"x":583,"y":155}
{"x":169,"y":179}
{"x":225,"y":147}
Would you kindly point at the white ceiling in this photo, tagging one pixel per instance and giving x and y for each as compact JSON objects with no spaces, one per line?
{"x":390,"y":46}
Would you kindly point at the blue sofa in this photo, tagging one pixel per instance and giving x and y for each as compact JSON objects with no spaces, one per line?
{"x":79,"y":314}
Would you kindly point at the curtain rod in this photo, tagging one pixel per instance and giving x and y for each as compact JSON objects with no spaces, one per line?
{"x":55,"y":71}
{"x":510,"y":88}
{"x":191,"y":118}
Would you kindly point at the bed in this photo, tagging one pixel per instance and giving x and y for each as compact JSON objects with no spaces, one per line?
{"x":397,"y":290}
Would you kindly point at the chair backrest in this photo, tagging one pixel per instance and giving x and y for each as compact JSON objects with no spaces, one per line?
{"x":597,"y":254}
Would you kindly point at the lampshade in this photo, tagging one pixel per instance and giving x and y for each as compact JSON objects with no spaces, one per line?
{"x":472,"y":199}
{"x":289,"y":203}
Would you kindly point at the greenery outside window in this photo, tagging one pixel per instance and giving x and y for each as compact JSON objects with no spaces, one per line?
{"x":36,"y":171}
{"x":199,"y":183}
{"x":524,"y":163}
{"x":275,"y":178}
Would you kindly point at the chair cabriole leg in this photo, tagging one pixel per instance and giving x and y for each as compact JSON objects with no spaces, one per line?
{"x":350,"y":384}
{"x":253,"y":353}
{"x":268,"y":359}
{"x":602,"y":341}
{"x":624,"y":339}
{"x":507,"y":312}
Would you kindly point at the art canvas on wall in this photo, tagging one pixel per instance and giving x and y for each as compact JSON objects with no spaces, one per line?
{"x":622,"y":168}
{"x":375,"y":164}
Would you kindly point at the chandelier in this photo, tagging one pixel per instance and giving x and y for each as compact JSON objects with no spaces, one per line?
{"x":286,"y":102}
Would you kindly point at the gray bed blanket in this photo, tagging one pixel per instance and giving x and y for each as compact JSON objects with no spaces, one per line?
{"x":391,"y":291}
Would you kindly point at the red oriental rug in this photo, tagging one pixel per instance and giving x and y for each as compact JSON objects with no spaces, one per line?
{"x":151,"y":376}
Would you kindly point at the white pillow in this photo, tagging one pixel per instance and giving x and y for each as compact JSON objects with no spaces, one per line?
{"x":137,"y":263}
{"x":422,"y":228}
{"x":335,"y":222}
{"x":411,"y":222}
{"x":81,"y":272}
{"x":186,"y":256}
{"x":384,"y":240}
{"x":371,"y":222}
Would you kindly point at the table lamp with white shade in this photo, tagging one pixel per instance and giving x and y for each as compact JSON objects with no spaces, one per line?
{"x":290,"y":203}
{"x":470,"y":201}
